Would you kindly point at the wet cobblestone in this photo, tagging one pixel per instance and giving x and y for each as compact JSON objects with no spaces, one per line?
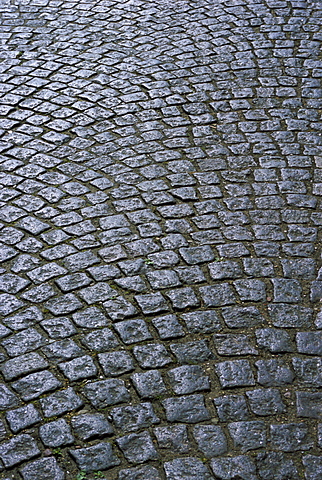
{"x":161,"y":278}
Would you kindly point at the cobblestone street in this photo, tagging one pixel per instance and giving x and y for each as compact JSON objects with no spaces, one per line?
{"x":160,"y":213}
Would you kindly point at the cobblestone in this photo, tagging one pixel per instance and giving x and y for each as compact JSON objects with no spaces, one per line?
{"x":160,"y":280}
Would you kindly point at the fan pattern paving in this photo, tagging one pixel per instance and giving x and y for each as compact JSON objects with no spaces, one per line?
{"x":160,"y":213}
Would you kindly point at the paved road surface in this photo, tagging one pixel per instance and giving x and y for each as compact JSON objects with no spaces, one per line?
{"x":161,"y":176}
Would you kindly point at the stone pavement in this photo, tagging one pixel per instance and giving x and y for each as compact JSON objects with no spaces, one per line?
{"x":161,"y":176}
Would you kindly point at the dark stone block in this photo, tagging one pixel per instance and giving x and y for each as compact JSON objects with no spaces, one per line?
{"x":182,"y":298}
{"x":60,"y":402}
{"x":248,"y":435}
{"x":308,"y":371}
{"x":192,"y":352}
{"x":149,"y":384}
{"x":174,"y":438}
{"x":58,"y":327}
{"x":65,"y":304}
{"x":274,"y":340}
{"x":290,"y":316}
{"x":218,"y":295}
{"x":234,"y":344}
{"x":186,"y":409}
{"x":56,"y":434}
{"x":313,"y":467}
{"x":133,"y":331}
{"x":232,"y":468}
{"x":163,"y":279}
{"x":265,"y":402}
{"x":309,"y":343}
{"x":231,"y":408}
{"x":273,"y":373}
{"x":100,"y":340}
{"x":235,"y":373}
{"x":189,"y":468}
{"x":251,"y":290}
{"x":24,"y":319}
{"x":28,"y":363}
{"x":299,"y":268}
{"x":287,"y":290}
{"x":140,"y":473}
{"x":88,"y":426}
{"x":119,"y":309}
{"x":152,"y":355}
{"x":291,"y":437}
{"x":116,"y":363}
{"x":47,"y":468}
{"x":242,"y":317}
{"x":78,"y":368}
{"x":168,"y":327}
{"x":210,"y":439}
{"x":138,"y":447}
{"x":309,"y":404}
{"x":275,"y":466}
{"x":267,"y":249}
{"x":188,"y":379}
{"x":35,"y":384}
{"x":106,"y":392}
{"x":22,"y":417}
{"x":23,"y":342}
{"x":152,"y":303}
{"x":196,"y":255}
{"x":95,"y":458}
{"x":258,"y":267}
{"x":190,"y":275}
{"x":91,"y":317}
{"x":206,"y":321}
{"x":132,"y":418}
{"x":18,"y":449}
{"x":225,"y":270}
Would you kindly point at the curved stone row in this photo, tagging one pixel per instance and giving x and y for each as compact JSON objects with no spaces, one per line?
{"x":160,"y":182}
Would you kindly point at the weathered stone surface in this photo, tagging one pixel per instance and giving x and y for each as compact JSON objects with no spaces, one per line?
{"x":87,"y":426}
{"x":275,"y":465}
{"x":137,"y":447}
{"x":160,"y":197}
{"x":45,"y":468}
{"x":95,"y":458}
{"x":231,"y":408}
{"x":240,"y":466}
{"x":236,"y":373}
{"x":188,"y":379}
{"x":18,"y":449}
{"x":56,"y":434}
{"x":81,"y":367}
{"x":149,"y":384}
{"x":211,"y":440}
{"x":115,"y":363}
{"x":265,"y":402}
{"x":35,"y":384}
{"x":309,"y":404}
{"x":248,"y":435}
{"x":189,"y":468}
{"x":60,"y":402}
{"x":132,"y":418}
{"x":23,"y":417}
{"x":106,"y":392}
{"x":186,"y":409}
{"x":291,"y":437}
{"x":7,"y":398}
{"x":313,"y":467}
{"x":173,"y":438}
{"x":140,"y":473}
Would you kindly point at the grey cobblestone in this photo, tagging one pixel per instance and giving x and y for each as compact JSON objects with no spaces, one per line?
{"x":160,"y":187}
